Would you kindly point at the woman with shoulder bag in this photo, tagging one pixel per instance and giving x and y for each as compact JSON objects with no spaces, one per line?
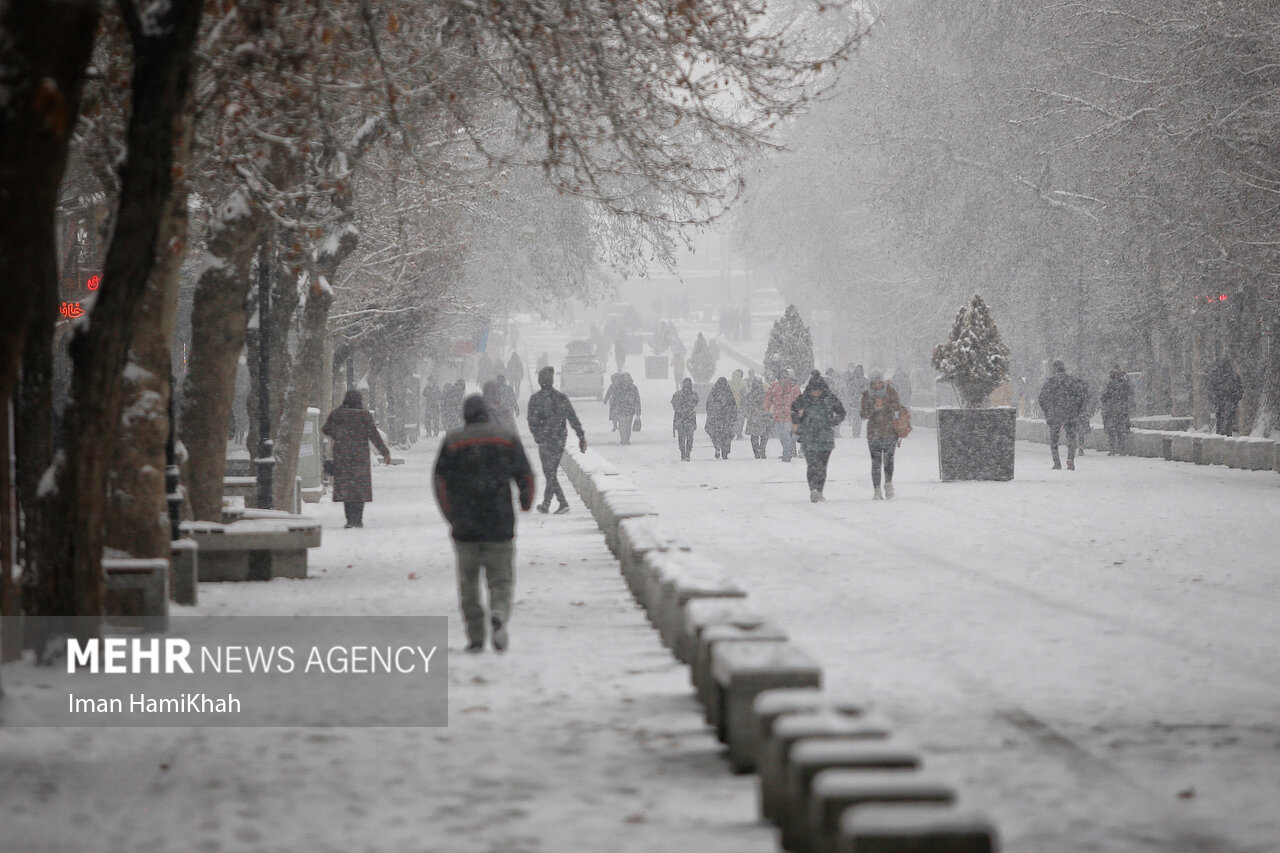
{"x":882,"y":410}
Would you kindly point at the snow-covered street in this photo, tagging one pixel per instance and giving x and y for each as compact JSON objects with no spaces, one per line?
{"x":1088,"y":654}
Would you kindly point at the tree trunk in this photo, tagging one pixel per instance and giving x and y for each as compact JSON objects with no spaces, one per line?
{"x":302,"y":391}
{"x":137,"y":511}
{"x":35,"y":446}
{"x":44,"y":50}
{"x":162,"y":49}
{"x":219,"y":315}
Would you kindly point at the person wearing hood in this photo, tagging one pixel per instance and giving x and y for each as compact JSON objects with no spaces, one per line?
{"x":607,"y":399}
{"x":351,"y":428}
{"x":684,"y":418}
{"x":1063,"y":399}
{"x":880,"y":408}
{"x":778,"y":402}
{"x":548,"y":411}
{"x":758,"y":425}
{"x":722,"y":415}
{"x":473,"y":474}
{"x":739,"y":387}
{"x":624,"y":408}
{"x":815,"y":414}
{"x":1117,"y":404}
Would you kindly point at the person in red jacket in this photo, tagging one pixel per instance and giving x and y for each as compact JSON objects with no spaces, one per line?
{"x":473,"y":477}
{"x":778,"y":403}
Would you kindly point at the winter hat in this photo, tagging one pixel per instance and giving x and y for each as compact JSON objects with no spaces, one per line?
{"x":816,"y":383}
{"x":875,"y":376}
{"x":475,"y":410}
{"x":688,"y":384}
{"x":547,"y":377}
{"x":352,"y":399}
{"x":1059,"y":367}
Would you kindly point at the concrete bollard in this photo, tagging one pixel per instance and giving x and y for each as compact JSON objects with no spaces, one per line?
{"x":136,"y":593}
{"x":705,"y":687}
{"x":637,"y":537}
{"x":788,"y":730}
{"x":773,"y":706}
{"x":915,"y":827}
{"x":1166,"y":447}
{"x":744,"y":670}
{"x":700,"y":613}
{"x":810,"y":756}
{"x":692,"y":578}
{"x":184,"y":556}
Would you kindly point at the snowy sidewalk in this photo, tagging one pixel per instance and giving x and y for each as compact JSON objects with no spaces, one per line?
{"x":584,"y":736}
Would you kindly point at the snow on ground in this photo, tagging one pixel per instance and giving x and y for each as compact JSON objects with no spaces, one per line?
{"x":583,"y":737}
{"x":1089,"y":654}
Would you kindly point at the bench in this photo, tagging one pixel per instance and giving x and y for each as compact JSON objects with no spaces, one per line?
{"x":808,"y":757}
{"x":775,"y":749}
{"x":744,"y":670}
{"x":247,"y":488}
{"x":136,"y":594}
{"x":254,"y":548}
{"x":917,"y":826}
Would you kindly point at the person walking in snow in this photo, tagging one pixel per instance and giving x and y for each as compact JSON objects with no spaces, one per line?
{"x":684,"y":417}
{"x":351,"y":428}
{"x":1225,"y":391}
{"x":607,"y":399}
{"x":548,"y":412}
{"x":739,"y":387}
{"x":500,"y":410}
{"x":1117,"y":404}
{"x":451,"y":404}
{"x":1063,"y":399}
{"x":816,"y":413}
{"x":759,"y":423}
{"x":473,"y":476}
{"x":431,"y":406}
{"x":777,"y":401}
{"x":624,"y":407}
{"x":515,"y":376}
{"x":722,"y":416}
{"x":880,"y":408}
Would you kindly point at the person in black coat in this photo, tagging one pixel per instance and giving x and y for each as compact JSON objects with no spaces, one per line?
{"x":431,"y":406}
{"x":473,"y":475}
{"x":684,"y":419}
{"x":351,"y":429}
{"x":1117,"y":405}
{"x":451,"y":404}
{"x":816,"y":413}
{"x":548,"y":412}
{"x":722,"y":417}
{"x":1225,"y":391}
{"x":1063,"y":399}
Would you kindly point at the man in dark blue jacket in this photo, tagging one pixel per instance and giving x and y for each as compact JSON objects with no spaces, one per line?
{"x":549,"y":409}
{"x":473,"y":477}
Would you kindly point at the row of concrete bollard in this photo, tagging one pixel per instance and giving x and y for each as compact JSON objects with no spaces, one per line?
{"x":832,"y":775}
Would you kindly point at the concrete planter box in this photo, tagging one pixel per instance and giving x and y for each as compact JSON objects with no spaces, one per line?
{"x":976,"y":444}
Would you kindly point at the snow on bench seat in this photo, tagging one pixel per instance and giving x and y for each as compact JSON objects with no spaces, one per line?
{"x":227,"y":549}
{"x":136,"y":593}
{"x":809,"y":756}
{"x":744,"y":670}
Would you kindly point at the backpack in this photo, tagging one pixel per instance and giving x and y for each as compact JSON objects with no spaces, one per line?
{"x":902,"y":423}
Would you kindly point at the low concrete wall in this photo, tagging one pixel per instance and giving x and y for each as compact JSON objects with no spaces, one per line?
{"x":740,"y":662}
{"x":1255,"y":454}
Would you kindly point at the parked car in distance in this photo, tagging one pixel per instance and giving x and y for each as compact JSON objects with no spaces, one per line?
{"x":582,"y":376}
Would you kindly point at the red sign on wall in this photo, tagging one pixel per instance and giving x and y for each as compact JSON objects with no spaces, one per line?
{"x":71,"y":310}
{"x":93,"y":282}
